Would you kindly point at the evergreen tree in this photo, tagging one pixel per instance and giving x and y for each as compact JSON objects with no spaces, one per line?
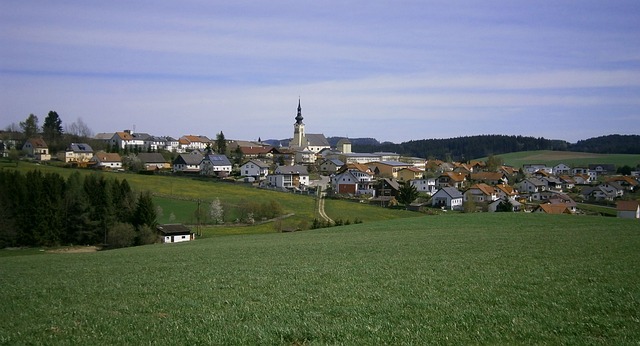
{"x":78,"y":227}
{"x":221,"y":143}
{"x":52,"y":130}
{"x":30,"y":126}
{"x":407,"y":193}
{"x":145,"y":212}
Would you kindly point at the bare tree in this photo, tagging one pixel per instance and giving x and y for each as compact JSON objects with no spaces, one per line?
{"x":79,"y":128}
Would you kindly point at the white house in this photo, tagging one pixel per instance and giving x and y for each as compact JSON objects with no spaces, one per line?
{"x":481,"y":193}
{"x":535,"y":167}
{"x":175,"y":233}
{"x":254,"y":168}
{"x":426,"y":186}
{"x":515,"y":205}
{"x":532,"y":185}
{"x":353,"y":181}
{"x":107,"y":160}
{"x":447,"y":197}
{"x":289,"y":177}
{"x":37,"y":148}
{"x":561,"y":169}
{"x":125,"y":139}
{"x":215,"y":165}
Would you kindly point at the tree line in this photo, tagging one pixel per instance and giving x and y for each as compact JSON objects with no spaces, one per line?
{"x":45,"y":209}
{"x":472,"y":147}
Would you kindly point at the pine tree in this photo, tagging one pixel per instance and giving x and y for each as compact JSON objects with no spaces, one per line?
{"x":407,"y":194}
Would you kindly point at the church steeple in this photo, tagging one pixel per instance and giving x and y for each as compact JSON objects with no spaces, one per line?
{"x":299,"y":116}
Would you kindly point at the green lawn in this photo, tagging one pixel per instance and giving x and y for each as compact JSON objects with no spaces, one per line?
{"x":448,"y":279}
{"x":574,"y":159}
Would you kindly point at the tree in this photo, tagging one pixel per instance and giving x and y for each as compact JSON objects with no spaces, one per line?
{"x":504,"y":206}
{"x":145,"y":213}
{"x":407,"y":193}
{"x":79,"y":129}
{"x":216,"y":211}
{"x":221,"y":143}
{"x":121,"y":235}
{"x":494,"y":163}
{"x":52,"y":128}
{"x":469,"y":206}
{"x":30,"y":126}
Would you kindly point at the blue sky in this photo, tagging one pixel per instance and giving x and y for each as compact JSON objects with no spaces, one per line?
{"x":395,"y":71}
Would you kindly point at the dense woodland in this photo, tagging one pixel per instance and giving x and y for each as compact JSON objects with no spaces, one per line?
{"x":471,"y":147}
{"x":44,"y":209}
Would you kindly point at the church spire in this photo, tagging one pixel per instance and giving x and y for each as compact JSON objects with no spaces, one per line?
{"x":299,"y":116}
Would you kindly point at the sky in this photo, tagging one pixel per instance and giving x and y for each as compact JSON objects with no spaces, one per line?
{"x":392,"y":70}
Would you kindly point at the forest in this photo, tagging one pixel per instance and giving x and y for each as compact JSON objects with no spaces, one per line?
{"x":45,"y":209}
{"x":472,"y":147}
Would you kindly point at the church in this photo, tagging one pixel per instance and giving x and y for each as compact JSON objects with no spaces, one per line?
{"x":306,"y":142}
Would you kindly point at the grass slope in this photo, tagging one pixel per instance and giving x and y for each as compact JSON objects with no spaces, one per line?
{"x":454,"y":279}
{"x":552,"y":158}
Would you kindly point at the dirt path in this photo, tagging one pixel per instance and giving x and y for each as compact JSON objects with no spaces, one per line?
{"x":321,"y":211}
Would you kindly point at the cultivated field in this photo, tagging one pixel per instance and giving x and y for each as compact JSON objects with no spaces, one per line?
{"x":446,"y":279}
{"x":552,"y":158}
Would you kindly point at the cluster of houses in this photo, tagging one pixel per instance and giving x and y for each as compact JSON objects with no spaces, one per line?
{"x":369,"y":176}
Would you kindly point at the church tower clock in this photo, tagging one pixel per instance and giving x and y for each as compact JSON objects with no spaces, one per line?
{"x":299,"y":138}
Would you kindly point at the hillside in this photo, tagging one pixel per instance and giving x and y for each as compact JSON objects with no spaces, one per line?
{"x":552,"y":158}
{"x":468,"y":279}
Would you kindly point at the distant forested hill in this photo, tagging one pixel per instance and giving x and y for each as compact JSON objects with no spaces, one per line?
{"x":465,"y":148}
{"x":612,"y":144}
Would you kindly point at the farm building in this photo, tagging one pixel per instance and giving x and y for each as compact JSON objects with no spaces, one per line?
{"x":628,"y":209}
{"x":175,"y":233}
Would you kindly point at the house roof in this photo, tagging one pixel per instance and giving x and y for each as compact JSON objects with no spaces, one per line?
{"x":451,"y":191}
{"x":317,"y":140}
{"x":218,"y":160}
{"x":355,"y":166}
{"x":257,"y":150}
{"x":189,"y":159}
{"x":80,"y":148}
{"x":627,"y":205}
{"x":108,"y":157}
{"x":295,"y":169}
{"x":257,"y":163}
{"x":37,"y":142}
{"x":151,"y":158}
{"x":454,"y":176}
{"x":336,"y":162}
{"x":624,"y":180}
{"x":506,"y":189}
{"x":484,"y":188}
{"x":168,"y":229}
{"x":125,"y":136}
{"x":484,"y":176}
{"x":554,"y":208}
{"x":391,"y":183}
{"x":194,"y":138}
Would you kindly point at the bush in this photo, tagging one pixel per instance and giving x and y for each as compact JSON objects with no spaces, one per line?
{"x":121,"y":235}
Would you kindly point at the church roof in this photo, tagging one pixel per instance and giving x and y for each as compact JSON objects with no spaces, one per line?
{"x":317,"y":140}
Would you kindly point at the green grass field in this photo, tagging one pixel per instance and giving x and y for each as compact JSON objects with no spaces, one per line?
{"x":574,"y":159}
{"x":448,"y":279}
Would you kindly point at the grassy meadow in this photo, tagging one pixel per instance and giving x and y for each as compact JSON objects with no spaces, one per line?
{"x":446,"y":279}
{"x":574,"y":159}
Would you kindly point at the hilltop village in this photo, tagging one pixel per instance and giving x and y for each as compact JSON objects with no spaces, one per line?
{"x":309,"y":164}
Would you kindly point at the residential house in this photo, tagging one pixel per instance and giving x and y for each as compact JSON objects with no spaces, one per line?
{"x":215,"y":165}
{"x":582,"y":179}
{"x":579,"y":170}
{"x":506,"y":191}
{"x":451,"y":179}
{"x":156,"y":143}
{"x":549,"y":208}
{"x":561,"y":198}
{"x":254,"y":168}
{"x":188,"y":163}
{"x":175,"y":233}
{"x":354,"y":182}
{"x":603,"y":169}
{"x":76,"y":153}
{"x":410,"y":173}
{"x":103,"y":160}
{"x":193,"y":142}
{"x":37,"y":148}
{"x":426,"y":185}
{"x":153,"y":161}
{"x":126,"y":139}
{"x":561,"y":169}
{"x":289,"y":177}
{"x":481,"y":193}
{"x":388,"y":169}
{"x":447,"y":198}
{"x":305,"y":157}
{"x":387,"y":188}
{"x":490,"y":178}
{"x":600,"y":193}
{"x":330,"y":166}
{"x":628,"y":209}
{"x":567,"y":182}
{"x":515,"y":205}
{"x":531,"y":185}
{"x":256,"y":152}
{"x":628,"y":183}
{"x":553,"y":183}
{"x":535,"y":167}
